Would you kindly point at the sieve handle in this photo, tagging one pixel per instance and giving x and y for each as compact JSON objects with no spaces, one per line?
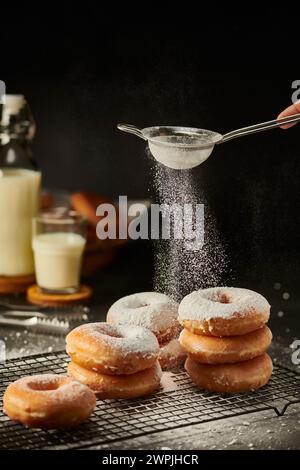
{"x":264,"y":126}
{"x":132,"y":130}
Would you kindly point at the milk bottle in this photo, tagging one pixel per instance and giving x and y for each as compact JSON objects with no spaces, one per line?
{"x":19,"y":187}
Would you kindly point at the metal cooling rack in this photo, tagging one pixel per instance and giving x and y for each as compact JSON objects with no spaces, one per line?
{"x":179,"y":403}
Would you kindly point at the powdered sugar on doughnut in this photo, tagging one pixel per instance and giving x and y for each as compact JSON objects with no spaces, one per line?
{"x":223,"y":302}
{"x":173,"y":348}
{"x":171,"y":354}
{"x":127,"y":338}
{"x":152,"y":310}
{"x":58,"y":386}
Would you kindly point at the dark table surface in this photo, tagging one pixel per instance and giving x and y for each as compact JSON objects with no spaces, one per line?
{"x":133,"y":272}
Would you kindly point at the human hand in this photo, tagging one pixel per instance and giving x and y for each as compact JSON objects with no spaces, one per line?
{"x":293,"y":109}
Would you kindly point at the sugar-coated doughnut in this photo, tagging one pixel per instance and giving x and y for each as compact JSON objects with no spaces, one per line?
{"x":152,"y":310}
{"x":223,"y":311}
{"x":231,"y":378}
{"x":48,"y":401}
{"x":118,"y":386}
{"x":229,"y":349}
{"x":171,"y":354}
{"x":112,"y":349}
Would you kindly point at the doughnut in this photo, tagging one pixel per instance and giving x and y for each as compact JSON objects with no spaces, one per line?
{"x":231,"y":378}
{"x":223,"y":311}
{"x":171,"y":355}
{"x":230,"y":349}
{"x":48,"y":401}
{"x":104,"y":386}
{"x":112,"y":349}
{"x":152,"y":310}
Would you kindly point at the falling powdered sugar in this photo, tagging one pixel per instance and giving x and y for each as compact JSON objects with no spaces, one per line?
{"x":180,"y":270}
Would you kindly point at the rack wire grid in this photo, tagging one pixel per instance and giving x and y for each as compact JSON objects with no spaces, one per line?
{"x":177,"y":404}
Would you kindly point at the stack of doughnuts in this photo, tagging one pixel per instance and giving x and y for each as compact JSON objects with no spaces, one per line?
{"x":226,"y":338}
{"x":115,"y":361}
{"x":159,"y":314}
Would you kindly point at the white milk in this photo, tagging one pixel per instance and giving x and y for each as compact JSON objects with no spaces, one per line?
{"x":19,"y":202}
{"x":57,"y":258}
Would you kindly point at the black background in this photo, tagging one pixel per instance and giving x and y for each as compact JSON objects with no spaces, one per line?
{"x":84,"y":69}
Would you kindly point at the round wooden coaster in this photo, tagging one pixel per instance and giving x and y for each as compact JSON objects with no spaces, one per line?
{"x":37,"y":297}
{"x":15,"y":284}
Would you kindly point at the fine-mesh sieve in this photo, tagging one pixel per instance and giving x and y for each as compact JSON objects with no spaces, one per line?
{"x":186,"y":147}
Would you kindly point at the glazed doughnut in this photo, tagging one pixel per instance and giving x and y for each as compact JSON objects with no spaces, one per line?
{"x":48,"y":401}
{"x":112,"y":349}
{"x":231,"y":378}
{"x":230,"y":349}
{"x":152,"y":310}
{"x":118,"y":386}
{"x":223,"y":311}
{"x":171,"y":355}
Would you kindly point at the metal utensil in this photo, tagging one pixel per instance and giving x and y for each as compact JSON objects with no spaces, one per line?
{"x":37,"y":322}
{"x":71,"y":313}
{"x":186,"y":147}
{"x":23,"y":314}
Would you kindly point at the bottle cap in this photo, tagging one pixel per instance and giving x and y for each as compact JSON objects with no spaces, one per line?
{"x":16,"y":118}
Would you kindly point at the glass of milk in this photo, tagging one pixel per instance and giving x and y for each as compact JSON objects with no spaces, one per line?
{"x":58,"y":243}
